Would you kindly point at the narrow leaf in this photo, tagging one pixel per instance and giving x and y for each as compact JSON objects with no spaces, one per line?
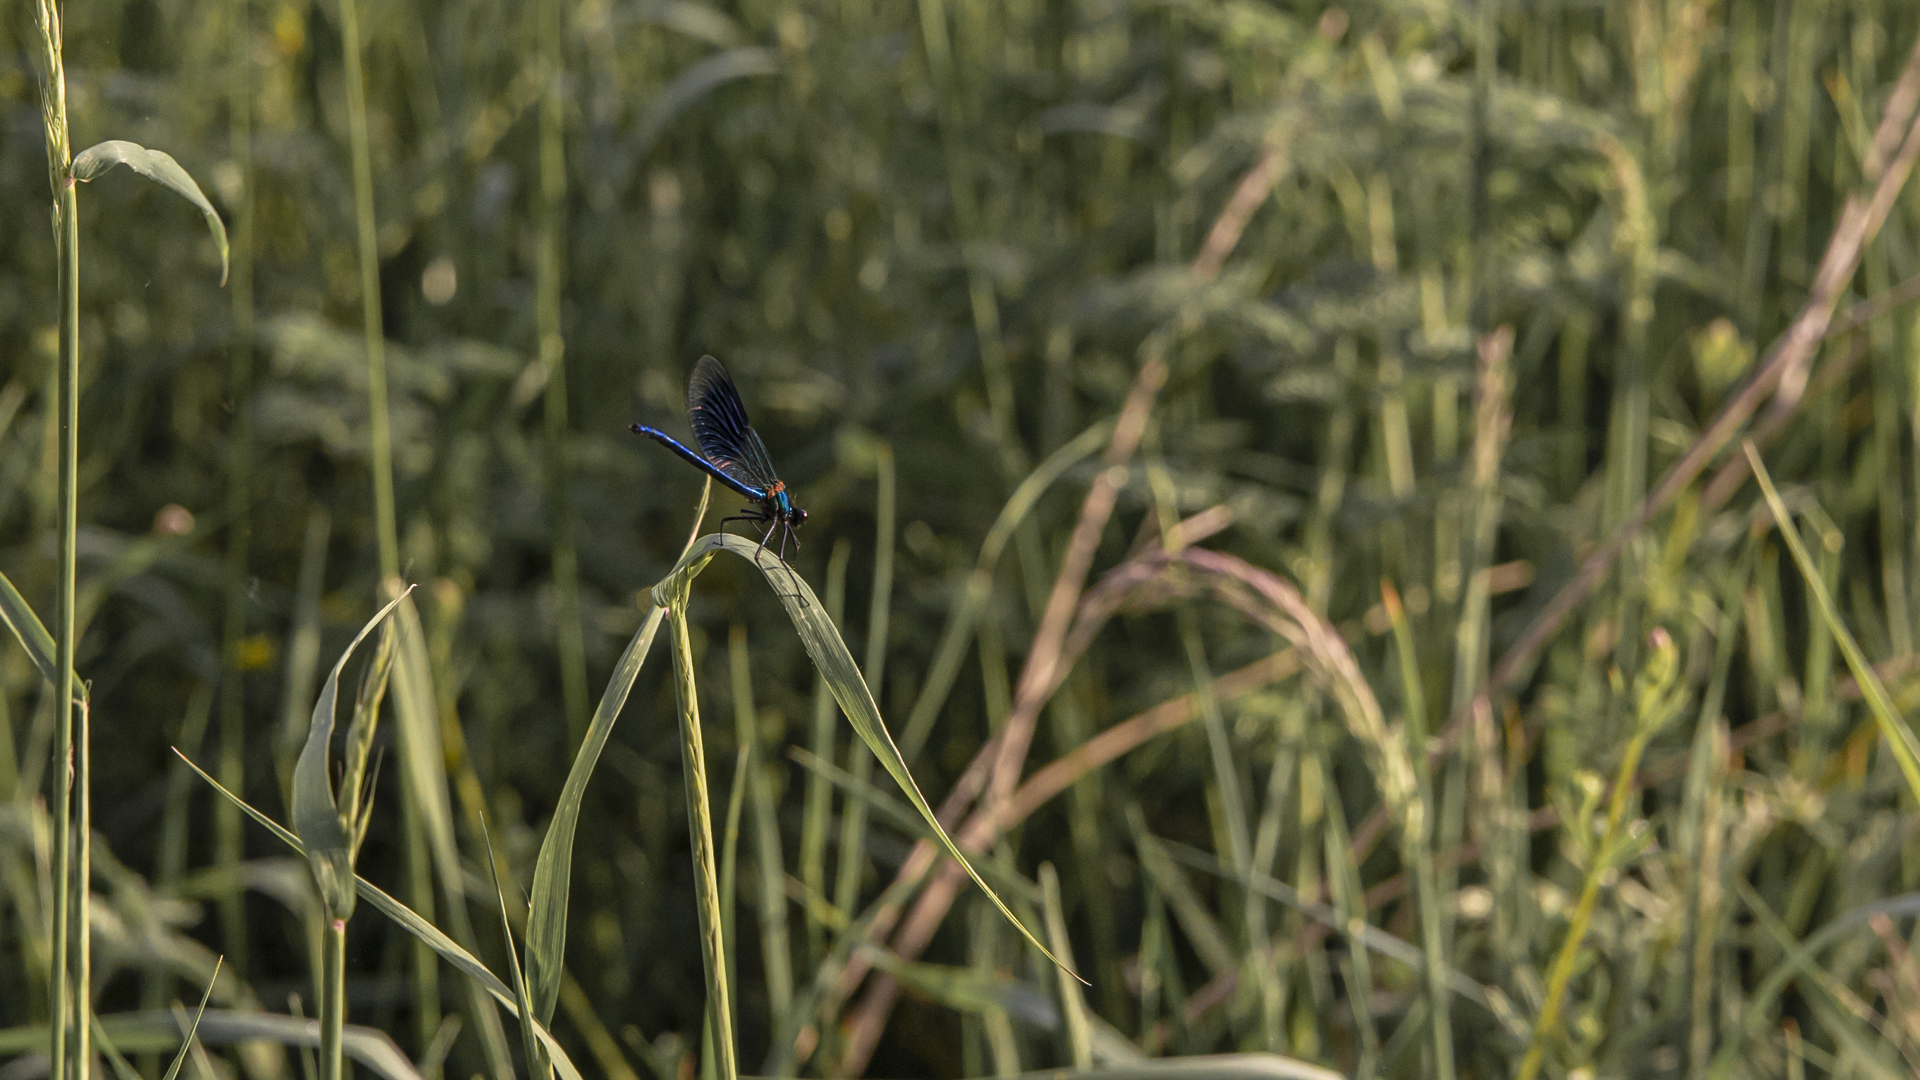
{"x":159,"y":167}
{"x":186,"y":1041}
{"x":529,"y":1042}
{"x":31,"y":633}
{"x":1899,"y":737}
{"x":552,"y":871}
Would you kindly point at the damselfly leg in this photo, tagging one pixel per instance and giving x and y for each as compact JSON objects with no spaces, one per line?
{"x":773,"y":523}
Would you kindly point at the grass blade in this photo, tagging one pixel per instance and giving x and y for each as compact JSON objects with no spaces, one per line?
{"x":159,"y":167}
{"x":529,"y":1043}
{"x":186,"y":1043}
{"x":547,"y":906}
{"x":1900,"y":739}
{"x":707,"y":898}
{"x":31,"y":633}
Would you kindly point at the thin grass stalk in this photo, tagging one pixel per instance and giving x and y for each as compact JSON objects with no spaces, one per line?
{"x":693,"y":755}
{"x":379,"y":428}
{"x":853,"y":821}
{"x":955,"y":142}
{"x":548,"y":272}
{"x":229,"y":845}
{"x":333,"y":994}
{"x":69,"y":990}
{"x":1343,"y":881}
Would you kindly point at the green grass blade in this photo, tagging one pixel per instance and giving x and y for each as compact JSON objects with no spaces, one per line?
{"x":186,"y":1043}
{"x":159,"y":167}
{"x":552,"y":871}
{"x":1900,"y":738}
{"x":316,"y":816}
{"x":31,"y":633}
{"x":829,"y":653}
{"x":530,"y":1044}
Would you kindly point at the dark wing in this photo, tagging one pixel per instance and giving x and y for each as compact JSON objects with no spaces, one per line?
{"x":720,"y":427}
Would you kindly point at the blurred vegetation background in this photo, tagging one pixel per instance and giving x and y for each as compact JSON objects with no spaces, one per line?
{"x":1439,"y":289}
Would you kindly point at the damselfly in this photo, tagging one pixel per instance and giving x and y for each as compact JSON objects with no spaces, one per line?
{"x":732,"y":453}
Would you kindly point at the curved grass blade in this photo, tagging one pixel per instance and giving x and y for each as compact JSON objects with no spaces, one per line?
{"x":316,"y":815}
{"x":32,"y":634}
{"x":695,"y":83}
{"x":547,"y":906}
{"x":836,"y":666}
{"x":410,"y":921}
{"x":159,"y":167}
{"x":186,"y":1044}
{"x":553,"y":869}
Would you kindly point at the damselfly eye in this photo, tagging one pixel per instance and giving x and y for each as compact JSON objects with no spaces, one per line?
{"x":799,"y":517}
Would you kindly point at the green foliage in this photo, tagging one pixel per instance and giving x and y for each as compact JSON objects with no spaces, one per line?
{"x":1442,"y":290}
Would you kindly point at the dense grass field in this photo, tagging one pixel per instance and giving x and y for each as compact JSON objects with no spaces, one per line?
{"x":1387,"y":535}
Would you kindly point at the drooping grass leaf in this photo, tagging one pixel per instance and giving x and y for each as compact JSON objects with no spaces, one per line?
{"x":835,"y":664}
{"x":316,"y":815}
{"x":552,"y":871}
{"x":31,"y":633}
{"x":159,"y":167}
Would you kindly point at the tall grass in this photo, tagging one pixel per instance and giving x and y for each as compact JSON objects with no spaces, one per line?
{"x":1280,"y":461}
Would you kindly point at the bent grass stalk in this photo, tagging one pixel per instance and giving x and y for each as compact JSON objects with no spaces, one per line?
{"x":830,"y":657}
